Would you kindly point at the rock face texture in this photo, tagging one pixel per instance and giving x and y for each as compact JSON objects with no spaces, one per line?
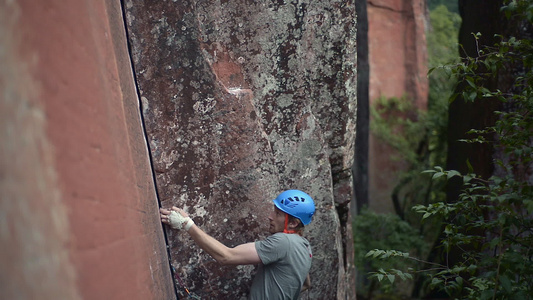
{"x":398,"y":67}
{"x":242,"y":100}
{"x":78,"y":209}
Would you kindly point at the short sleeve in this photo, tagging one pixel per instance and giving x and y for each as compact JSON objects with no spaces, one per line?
{"x":273,"y":248}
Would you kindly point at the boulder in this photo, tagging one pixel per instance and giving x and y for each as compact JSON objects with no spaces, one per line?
{"x":242,"y":100}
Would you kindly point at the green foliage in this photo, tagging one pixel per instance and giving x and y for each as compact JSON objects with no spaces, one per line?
{"x":442,"y":36}
{"x":384,"y":231}
{"x":398,"y":122}
{"x":490,"y":226}
{"x":419,"y":138}
{"x":451,"y":5}
{"x":418,"y":135}
{"x":443,"y":50}
{"x":522,"y":9}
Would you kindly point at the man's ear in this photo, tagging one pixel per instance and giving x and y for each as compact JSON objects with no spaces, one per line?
{"x":293,"y":223}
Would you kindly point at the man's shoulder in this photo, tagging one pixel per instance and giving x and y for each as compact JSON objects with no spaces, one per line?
{"x":281,"y":239}
{"x":287,"y":238}
{"x":278,"y":237}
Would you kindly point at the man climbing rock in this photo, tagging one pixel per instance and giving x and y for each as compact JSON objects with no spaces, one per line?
{"x":284,"y":258}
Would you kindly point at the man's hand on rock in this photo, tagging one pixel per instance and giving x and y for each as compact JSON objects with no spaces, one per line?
{"x":176,"y":218}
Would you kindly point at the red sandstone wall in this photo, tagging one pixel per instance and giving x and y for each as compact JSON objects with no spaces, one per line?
{"x":78,"y":211}
{"x":398,"y":67}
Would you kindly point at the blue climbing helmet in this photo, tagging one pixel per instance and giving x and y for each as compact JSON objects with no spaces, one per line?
{"x":297,"y":204}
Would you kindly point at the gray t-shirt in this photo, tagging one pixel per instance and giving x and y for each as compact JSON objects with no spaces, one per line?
{"x":286,"y":260}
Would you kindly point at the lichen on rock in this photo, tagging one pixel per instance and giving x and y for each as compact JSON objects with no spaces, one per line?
{"x":262,"y":99}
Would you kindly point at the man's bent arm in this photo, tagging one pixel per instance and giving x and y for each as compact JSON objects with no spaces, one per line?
{"x":244,"y":254}
{"x":241,"y":255}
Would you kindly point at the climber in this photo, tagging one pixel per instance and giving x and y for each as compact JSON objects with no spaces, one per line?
{"x":284,"y":258}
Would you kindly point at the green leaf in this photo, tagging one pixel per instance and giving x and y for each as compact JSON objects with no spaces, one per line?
{"x":436,"y":281}
{"x":480,"y":283}
{"x":453,"y":173}
{"x":448,"y":229}
{"x":486,"y":294}
{"x":452,"y":98}
{"x":472,"y":268}
{"x":437,"y":175}
{"x":529,"y":206}
{"x":494,"y":242}
{"x":469,"y":165}
{"x":459,"y":280}
{"x":457,"y":270}
{"x":470,"y":96}
{"x":486,"y":93}
{"x":402,"y":275}
{"x":419,"y":208}
{"x":506,"y":283}
{"x":470,"y":81}
{"x":391,"y":278}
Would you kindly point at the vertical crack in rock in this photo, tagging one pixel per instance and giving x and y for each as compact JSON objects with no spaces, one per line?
{"x":142,"y":108}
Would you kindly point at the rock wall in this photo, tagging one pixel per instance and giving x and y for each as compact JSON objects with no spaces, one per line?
{"x":242,"y":100}
{"x":398,"y":67}
{"x":78,"y":209}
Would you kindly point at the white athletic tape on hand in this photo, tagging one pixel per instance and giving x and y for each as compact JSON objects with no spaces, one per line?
{"x":177,"y":221}
{"x":189,"y":224}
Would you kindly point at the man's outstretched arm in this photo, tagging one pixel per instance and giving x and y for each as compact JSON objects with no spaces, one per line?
{"x":244,"y":254}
